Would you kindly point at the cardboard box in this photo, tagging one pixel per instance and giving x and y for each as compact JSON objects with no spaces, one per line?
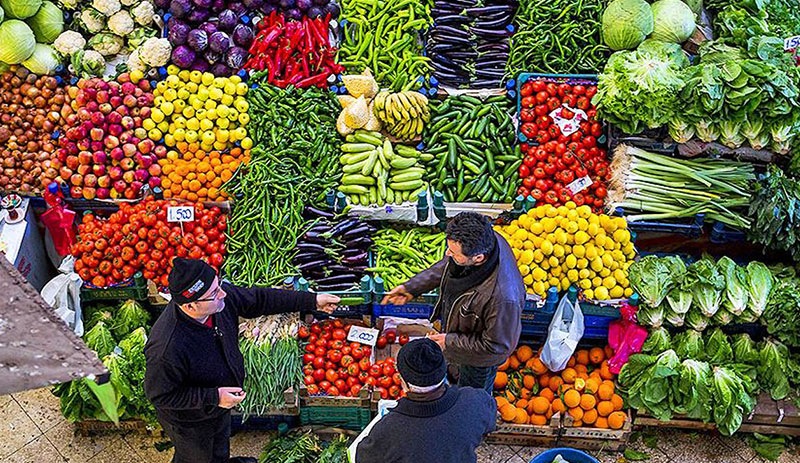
{"x":24,"y":247}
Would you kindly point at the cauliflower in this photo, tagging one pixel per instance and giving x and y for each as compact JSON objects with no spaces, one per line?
{"x":134,"y":63}
{"x":107,"y":7}
{"x":88,"y":63}
{"x":93,"y":20}
{"x":121,"y":23}
{"x":69,"y":42}
{"x":106,"y":44}
{"x":143,"y":13}
{"x":155,"y":52}
{"x":139,"y":35}
{"x":127,"y":2}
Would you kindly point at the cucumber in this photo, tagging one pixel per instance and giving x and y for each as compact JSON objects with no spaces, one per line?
{"x":353,"y":189}
{"x":357,"y":147}
{"x":365,"y":137}
{"x":406,"y":186}
{"x":370,"y":165}
{"x":406,"y":177}
{"x":402,"y":163}
{"x":356,"y":179}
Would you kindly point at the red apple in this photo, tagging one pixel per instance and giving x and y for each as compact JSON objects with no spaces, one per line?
{"x":76,"y":180}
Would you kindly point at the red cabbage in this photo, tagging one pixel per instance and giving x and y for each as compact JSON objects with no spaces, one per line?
{"x":295,"y":14}
{"x":199,"y":15}
{"x":183,"y":57}
{"x":180,"y":8}
{"x":253,"y":5}
{"x":210,"y":28}
{"x":212,"y":57}
{"x":314,"y":12}
{"x":197,"y":40}
{"x":287,"y":4}
{"x":236,"y":57}
{"x":304,"y":5}
{"x":332,"y":9}
{"x":242,"y":35}
{"x":162,"y":4}
{"x":226,"y":20}
{"x":320,"y":3}
{"x":218,"y":5}
{"x":177,"y":31}
{"x":219,"y":42}
{"x":268,"y":9}
{"x":200,"y":65}
{"x":239,"y":9}
{"x":204,"y":4}
{"x":220,"y":70}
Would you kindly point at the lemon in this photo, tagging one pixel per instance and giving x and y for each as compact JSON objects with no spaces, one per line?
{"x":512,"y":228}
{"x":572,"y":226}
{"x":588,"y":293}
{"x":585,"y":283}
{"x":550,"y":211}
{"x":601,"y":293}
{"x":581,"y":237}
{"x":591,"y":252}
{"x":247,"y":143}
{"x":573,"y":275}
{"x":527,"y":280}
{"x":545,"y":264}
{"x":524,"y":221}
{"x":584,"y":212}
{"x":605,"y":272}
{"x":528,"y":244}
{"x":520,"y":235}
{"x":537,"y":241}
{"x":600,"y":241}
{"x":539,"y":274}
{"x":609,"y":282}
{"x":582,"y":263}
{"x":583,"y":273}
{"x":524,"y":270}
{"x":583,"y":224}
{"x":571,"y":261}
{"x":547,"y":248}
{"x":565,"y":283}
{"x":570,"y":205}
{"x":553,"y":281}
{"x":616,"y":292}
{"x":536,"y":228}
{"x":562,"y":211}
{"x":579,"y":250}
{"x":517,"y":253}
{"x":607,"y":260}
{"x":628,"y":292}
{"x":622,"y":236}
{"x":596,"y":264}
{"x":539,"y":212}
{"x":561,"y":236}
{"x":539,"y":288}
{"x":597,"y":282}
{"x":538,"y":255}
{"x":563,"y":222}
{"x":526,"y":257}
{"x":553,"y":261}
{"x":555,"y":271}
{"x":549,"y":225}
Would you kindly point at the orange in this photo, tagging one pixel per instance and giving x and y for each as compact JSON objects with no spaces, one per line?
{"x":609,"y":352}
{"x":581,"y":369}
{"x":547,"y":394}
{"x":572,"y":398}
{"x":601,"y":423}
{"x":500,"y":380}
{"x":617,"y":401}
{"x":538,"y":367}
{"x":579,"y":384}
{"x":616,"y":420}
{"x":500,"y":401}
{"x":576,"y":413}
{"x":571,"y":362}
{"x":588,"y":402}
{"x":522,"y":416}
{"x":605,"y":373}
{"x":524,"y":353}
{"x":592,"y":386}
{"x":544,"y":380}
{"x":597,"y":355}
{"x":538,"y":420}
{"x":510,"y":397}
{"x":577,"y":423}
{"x":590,"y":416}
{"x":558,"y":406}
{"x":582,"y":357}
{"x":555,"y":383}
{"x":522,"y":403}
{"x":525,"y":393}
{"x":508,"y":412}
{"x":569,"y":375}
{"x":540,"y":405}
{"x":503,"y":366}
{"x":605,"y":392}
{"x":605,"y":408}
{"x":529,"y":381}
{"x":513,"y":362}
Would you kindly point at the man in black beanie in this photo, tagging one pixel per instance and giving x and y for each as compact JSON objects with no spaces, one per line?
{"x":195,"y":371}
{"x":434,"y":423}
{"x":481,"y":296}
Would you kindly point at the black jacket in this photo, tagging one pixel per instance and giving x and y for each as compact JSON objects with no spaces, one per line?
{"x":484,"y":324}
{"x":445,"y":430}
{"x":187,"y":361}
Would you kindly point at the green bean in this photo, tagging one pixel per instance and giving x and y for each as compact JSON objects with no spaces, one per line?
{"x":400,"y":254}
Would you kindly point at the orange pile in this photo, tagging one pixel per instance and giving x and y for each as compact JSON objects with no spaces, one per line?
{"x":528,"y":393}
{"x":197,"y":175}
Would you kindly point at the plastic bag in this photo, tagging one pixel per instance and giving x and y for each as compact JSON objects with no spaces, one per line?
{"x":63,"y":293}
{"x":565,"y":331}
{"x":625,"y":337}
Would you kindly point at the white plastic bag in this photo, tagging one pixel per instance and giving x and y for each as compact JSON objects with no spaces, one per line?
{"x":565,"y":331}
{"x":63,"y":293}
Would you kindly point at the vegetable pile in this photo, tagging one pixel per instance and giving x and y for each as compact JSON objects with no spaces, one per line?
{"x":139,"y":238}
{"x":773,"y":210}
{"x":701,"y":294}
{"x":304,"y":447}
{"x":526,"y":392}
{"x":558,"y":37}
{"x":376,"y":172}
{"x":627,"y":23}
{"x":386,"y":38}
{"x":196,"y":107}
{"x":403,"y":115}
{"x":471,"y":145}
{"x":570,"y":245}
{"x":780,"y":314}
{"x":105,"y":150}
{"x":468,"y":44}
{"x":333,"y":255}
{"x":562,"y":164}
{"x":32,"y":109}
{"x":196,"y":175}
{"x":295,"y":53}
{"x":401,"y":254}
{"x":30,"y":26}
{"x":661,"y":187}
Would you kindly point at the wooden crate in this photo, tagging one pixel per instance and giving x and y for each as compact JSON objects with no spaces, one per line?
{"x":584,"y":438}
{"x":526,"y":434}
{"x":364,"y":399}
{"x":88,"y":428}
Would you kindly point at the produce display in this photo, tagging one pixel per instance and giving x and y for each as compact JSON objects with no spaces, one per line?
{"x":561,"y":129}
{"x":772,"y":210}
{"x":386,"y":39}
{"x":196,"y":175}
{"x":468,"y":44}
{"x":31,"y":109}
{"x":403,"y":115}
{"x":27,"y":30}
{"x":305,"y":447}
{"x":526,"y":392}
{"x":377,"y":172}
{"x":139,"y":238}
{"x":570,"y":245}
{"x":401,"y":254}
{"x":471,"y":144}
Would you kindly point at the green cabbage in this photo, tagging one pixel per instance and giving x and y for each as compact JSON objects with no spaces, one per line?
{"x":689,"y":344}
{"x":47,"y":23}
{"x":657,"y":341}
{"x":626,"y":23}
{"x":20,"y":9}
{"x":43,"y":61}
{"x":100,"y":340}
{"x":673,"y":21}
{"x":17,"y":41}
{"x":744,"y":349}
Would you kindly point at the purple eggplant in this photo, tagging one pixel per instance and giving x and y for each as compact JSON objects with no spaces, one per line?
{"x":221,"y":70}
{"x":311,"y":212}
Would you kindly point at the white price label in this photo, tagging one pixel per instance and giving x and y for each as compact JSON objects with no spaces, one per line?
{"x":580,"y":184}
{"x":791,"y":43}
{"x":368,"y":336}
{"x":180,"y":214}
{"x":568,"y":126}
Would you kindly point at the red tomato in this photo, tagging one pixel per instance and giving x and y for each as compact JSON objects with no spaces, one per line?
{"x":375,"y":371}
{"x":384,"y":393}
{"x":357,"y":353}
{"x":346,"y":350}
{"x":353,"y":369}
{"x":341,"y":385}
{"x":347,"y":360}
{"x":331,"y":375}
{"x":364,"y":364}
{"x":381,"y":343}
{"x":363,"y":376}
{"x":320,"y":352}
{"x":538,"y":85}
{"x":355,"y":390}
{"x":303,"y":332}
{"x":308,"y":358}
{"x":319,"y":375}
{"x":385,"y":382}
{"x":388,"y":369}
{"x":394,"y":391}
{"x":324,"y":384}
{"x":391,"y":336}
{"x":310,"y":348}
{"x":316,"y":329}
{"x":319,"y":362}
{"x":333,"y":391}
{"x":336,"y":344}
{"x":335,"y":356}
{"x":526,"y":89}
{"x":308,"y":380}
{"x":339,"y":334}
{"x":396,"y":379}
{"x":313,"y":389}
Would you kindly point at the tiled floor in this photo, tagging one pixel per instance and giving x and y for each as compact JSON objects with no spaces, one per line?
{"x":33,"y":431}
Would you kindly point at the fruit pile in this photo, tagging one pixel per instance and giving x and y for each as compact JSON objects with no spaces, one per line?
{"x":528,"y":393}
{"x":334,"y":367}
{"x":197,"y":175}
{"x":570,"y":245}
{"x":105,"y":152}
{"x":139,"y":238}
{"x":556,"y":157}
{"x":402,"y":114}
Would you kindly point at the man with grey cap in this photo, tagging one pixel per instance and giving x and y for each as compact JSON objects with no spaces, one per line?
{"x":435,"y":422}
{"x":194,"y":369}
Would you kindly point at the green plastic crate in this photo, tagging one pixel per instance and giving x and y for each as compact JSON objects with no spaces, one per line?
{"x":353,"y":418}
{"x":136,"y":291}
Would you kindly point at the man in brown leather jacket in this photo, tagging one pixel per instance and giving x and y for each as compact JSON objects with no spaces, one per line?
{"x":481,"y":296}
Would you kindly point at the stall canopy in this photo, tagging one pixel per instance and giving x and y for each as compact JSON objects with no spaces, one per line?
{"x":36,"y":348}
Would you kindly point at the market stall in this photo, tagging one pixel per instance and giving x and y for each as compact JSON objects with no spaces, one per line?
{"x":640,"y":158}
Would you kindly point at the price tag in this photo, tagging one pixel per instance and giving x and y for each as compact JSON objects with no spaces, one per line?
{"x":571,"y":125}
{"x":791,"y":43}
{"x":368,"y":336}
{"x":580,"y":184}
{"x":180,"y":214}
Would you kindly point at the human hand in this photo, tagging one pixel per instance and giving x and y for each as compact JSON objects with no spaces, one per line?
{"x":438,"y":339}
{"x":397,"y":296}
{"x":327,"y":303}
{"x":229,"y":397}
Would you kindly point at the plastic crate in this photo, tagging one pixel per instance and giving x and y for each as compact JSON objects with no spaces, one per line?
{"x":595,"y":327}
{"x":136,"y":290}
{"x":652,"y":140}
{"x":419,"y":307}
{"x":721,"y":234}
{"x":355,"y":419}
{"x":363,"y":291}
{"x":691,"y":227}
{"x":571,"y":455}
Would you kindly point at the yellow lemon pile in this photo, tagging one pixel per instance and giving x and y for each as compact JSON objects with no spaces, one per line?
{"x":196,"y":107}
{"x":570,"y":245}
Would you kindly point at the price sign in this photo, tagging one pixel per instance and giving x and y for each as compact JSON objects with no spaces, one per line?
{"x":580,"y":184}
{"x":368,"y":336}
{"x":791,"y":43}
{"x":180,"y":214}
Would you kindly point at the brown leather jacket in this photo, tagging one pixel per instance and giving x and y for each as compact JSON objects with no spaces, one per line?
{"x":484,"y":325}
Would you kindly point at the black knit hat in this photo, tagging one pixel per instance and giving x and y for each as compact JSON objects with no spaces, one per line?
{"x":189,"y":279}
{"x":421,"y":363}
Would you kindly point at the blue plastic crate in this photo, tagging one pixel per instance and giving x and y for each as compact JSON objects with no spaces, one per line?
{"x":690,"y":227}
{"x":722,"y":234}
{"x":411,"y":310}
{"x":595,"y":327}
{"x":571,"y":455}
{"x":363,"y":291}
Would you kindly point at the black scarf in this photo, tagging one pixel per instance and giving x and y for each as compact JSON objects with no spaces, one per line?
{"x":460,"y":279}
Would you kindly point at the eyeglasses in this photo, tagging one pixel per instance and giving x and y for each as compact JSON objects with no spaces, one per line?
{"x":212,"y":298}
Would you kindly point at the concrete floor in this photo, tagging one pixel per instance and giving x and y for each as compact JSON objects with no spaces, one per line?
{"x":32,"y":430}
